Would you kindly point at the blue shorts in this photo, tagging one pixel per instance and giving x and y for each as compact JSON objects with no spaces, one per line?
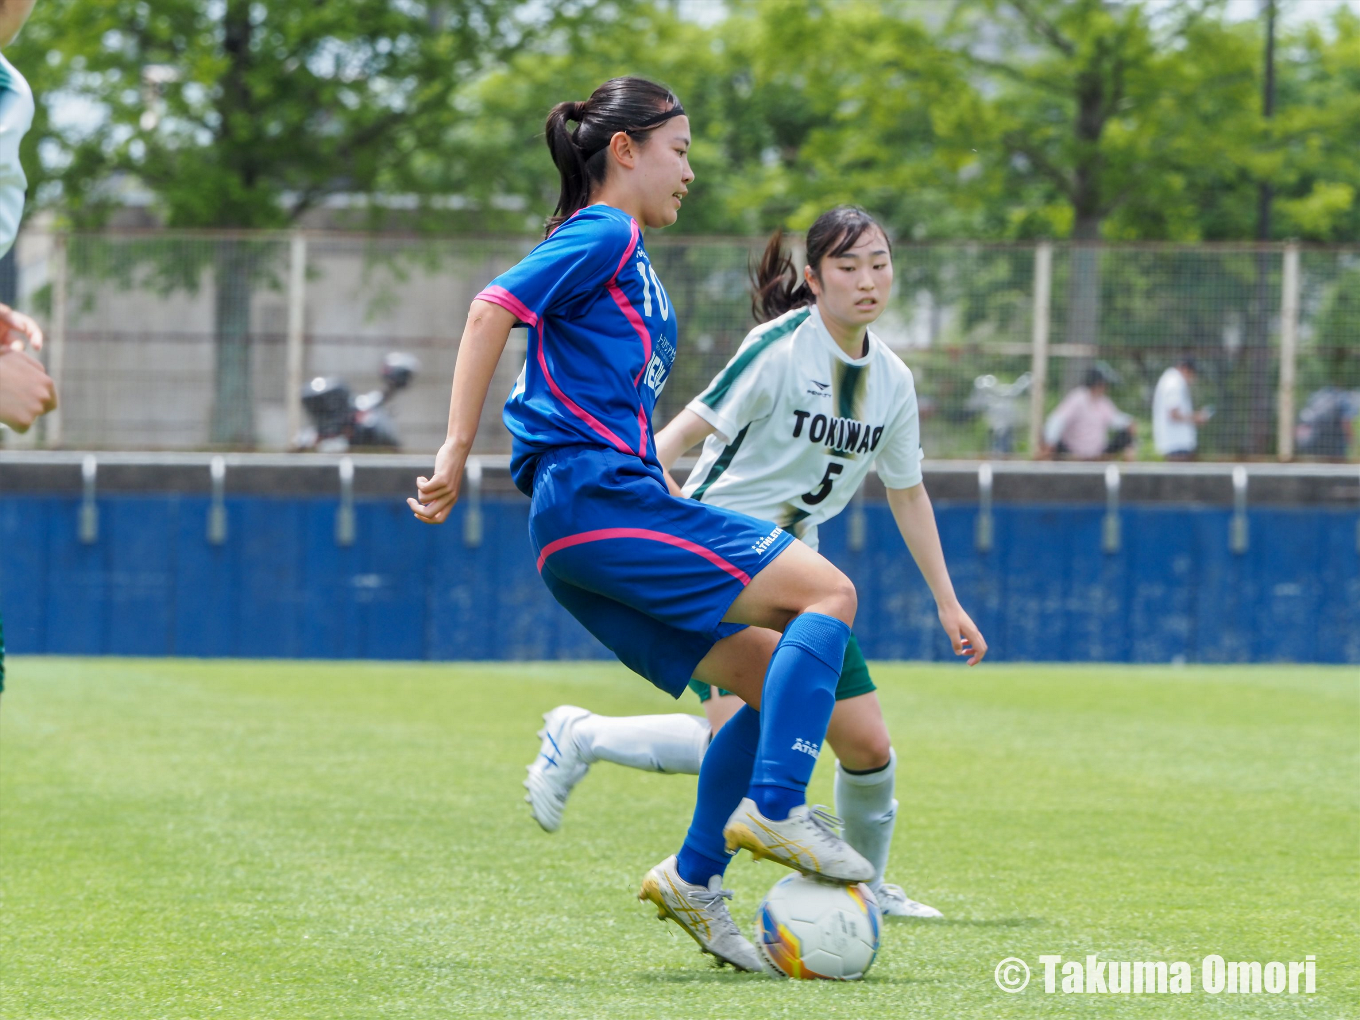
{"x":651,"y":575}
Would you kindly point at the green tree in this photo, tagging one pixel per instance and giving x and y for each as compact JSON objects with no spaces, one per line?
{"x":243,"y":114}
{"x":794,"y":106}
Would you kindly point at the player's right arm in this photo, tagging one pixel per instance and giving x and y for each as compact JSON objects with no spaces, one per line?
{"x":685,"y":431}
{"x":484,"y":337}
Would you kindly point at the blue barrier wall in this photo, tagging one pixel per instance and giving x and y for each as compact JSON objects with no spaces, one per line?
{"x":280,"y":586}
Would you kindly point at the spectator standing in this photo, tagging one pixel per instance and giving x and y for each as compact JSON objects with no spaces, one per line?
{"x":1087,"y":425}
{"x":1175,"y":432}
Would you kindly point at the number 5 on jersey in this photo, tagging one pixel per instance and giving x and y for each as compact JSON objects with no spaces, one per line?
{"x":824,"y":486}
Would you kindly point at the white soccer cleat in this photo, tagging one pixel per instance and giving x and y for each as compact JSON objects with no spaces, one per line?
{"x":807,"y":840}
{"x":557,"y":768}
{"x":702,"y":912}
{"x":893,"y":902}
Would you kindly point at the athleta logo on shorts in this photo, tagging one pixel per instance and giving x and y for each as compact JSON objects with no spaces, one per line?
{"x":768,"y":540}
{"x":799,"y":744}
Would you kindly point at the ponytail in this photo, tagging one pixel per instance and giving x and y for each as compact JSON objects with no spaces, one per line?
{"x":634,"y":106}
{"x":778,"y":287}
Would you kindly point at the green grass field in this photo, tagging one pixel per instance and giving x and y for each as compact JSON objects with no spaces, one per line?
{"x":242,"y":839}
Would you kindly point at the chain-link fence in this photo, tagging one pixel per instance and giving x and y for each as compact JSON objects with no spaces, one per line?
{"x":183,"y":341}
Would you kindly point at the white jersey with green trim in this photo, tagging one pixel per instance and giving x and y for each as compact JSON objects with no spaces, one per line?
{"x":798,"y":422}
{"x":16,"y":117}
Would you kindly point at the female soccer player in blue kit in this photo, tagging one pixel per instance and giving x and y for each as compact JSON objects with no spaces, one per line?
{"x":668,"y":584}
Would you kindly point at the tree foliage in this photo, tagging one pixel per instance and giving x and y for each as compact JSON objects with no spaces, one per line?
{"x":1007,"y":119}
{"x":236,"y":113}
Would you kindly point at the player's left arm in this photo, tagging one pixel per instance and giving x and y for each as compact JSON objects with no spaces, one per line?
{"x":685,"y":431}
{"x":916,"y":521}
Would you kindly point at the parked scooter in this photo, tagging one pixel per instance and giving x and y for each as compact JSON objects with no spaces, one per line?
{"x":341,"y":421}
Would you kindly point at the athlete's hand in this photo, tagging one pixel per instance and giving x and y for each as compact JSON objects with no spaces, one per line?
{"x":963,"y":633}
{"x":439,"y":492}
{"x":19,"y":331}
{"x":26,"y":390}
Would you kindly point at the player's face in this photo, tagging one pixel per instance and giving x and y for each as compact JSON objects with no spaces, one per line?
{"x":853,"y":288}
{"x":663,"y":173}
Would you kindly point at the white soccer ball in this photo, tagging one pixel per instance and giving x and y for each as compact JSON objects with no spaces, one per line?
{"x":811,"y":928}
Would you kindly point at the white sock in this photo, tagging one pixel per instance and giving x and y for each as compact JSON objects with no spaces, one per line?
{"x":866,"y":806}
{"x":653,"y":743}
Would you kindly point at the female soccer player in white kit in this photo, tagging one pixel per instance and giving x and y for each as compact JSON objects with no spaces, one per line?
{"x":790,"y":429}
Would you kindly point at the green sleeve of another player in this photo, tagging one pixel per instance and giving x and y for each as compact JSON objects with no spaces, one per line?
{"x":855,"y":679}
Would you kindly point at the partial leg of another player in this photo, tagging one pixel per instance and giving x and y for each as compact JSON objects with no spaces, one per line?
{"x":573,"y":739}
{"x":866,"y":780}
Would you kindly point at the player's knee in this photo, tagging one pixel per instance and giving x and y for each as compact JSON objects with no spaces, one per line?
{"x":863,"y":751}
{"x":877,"y":750}
{"x":841,"y":600}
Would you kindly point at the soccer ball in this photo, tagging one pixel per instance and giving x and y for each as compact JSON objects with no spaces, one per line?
{"x":811,"y":928}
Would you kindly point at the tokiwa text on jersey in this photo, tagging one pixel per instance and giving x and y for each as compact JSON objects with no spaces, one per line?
{"x":841,"y":435}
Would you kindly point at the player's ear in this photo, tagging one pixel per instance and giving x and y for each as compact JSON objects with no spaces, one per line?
{"x":813,"y":283}
{"x":623,"y":149}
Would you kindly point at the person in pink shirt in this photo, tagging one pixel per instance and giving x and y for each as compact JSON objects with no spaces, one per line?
{"x":1087,"y":425}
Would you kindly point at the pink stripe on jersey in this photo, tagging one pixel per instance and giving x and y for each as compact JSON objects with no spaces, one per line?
{"x":639,"y":327}
{"x":500,"y":296}
{"x":634,"y":235}
{"x":603,"y":534}
{"x":574,"y":407}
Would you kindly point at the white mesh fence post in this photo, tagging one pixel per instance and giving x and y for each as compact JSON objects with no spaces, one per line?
{"x":56,"y":335}
{"x":1289,"y":344}
{"x":1043,"y":285}
{"x":297,"y":300}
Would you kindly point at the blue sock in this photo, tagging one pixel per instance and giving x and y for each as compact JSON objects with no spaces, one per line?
{"x":724,"y":776}
{"x":795,"y":707}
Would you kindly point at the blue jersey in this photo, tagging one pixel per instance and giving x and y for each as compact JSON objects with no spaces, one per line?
{"x":602,"y":337}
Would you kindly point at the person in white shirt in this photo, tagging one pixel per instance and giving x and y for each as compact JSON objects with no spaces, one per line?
{"x":26,"y":391}
{"x":1174,"y":419}
{"x":1087,"y":426}
{"x":790,"y":429}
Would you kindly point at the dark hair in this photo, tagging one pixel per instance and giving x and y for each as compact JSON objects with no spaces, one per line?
{"x":776,"y":286}
{"x":1095,"y":377}
{"x":635,"y":106}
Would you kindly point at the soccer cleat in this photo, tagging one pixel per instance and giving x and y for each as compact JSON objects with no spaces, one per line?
{"x":807,"y":840}
{"x":893,"y":902}
{"x":557,"y":768}
{"x":702,"y":912}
